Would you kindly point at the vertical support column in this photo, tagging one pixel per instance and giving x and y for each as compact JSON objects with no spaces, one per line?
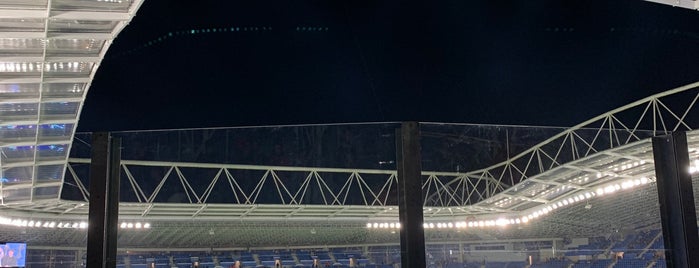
{"x":104,"y":201}
{"x":677,"y":213}
{"x":408,"y":160}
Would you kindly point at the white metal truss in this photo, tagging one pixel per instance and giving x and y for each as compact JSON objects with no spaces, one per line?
{"x":580,"y":157}
{"x":690,"y":4}
{"x":356,"y":192}
{"x":188,"y":201}
{"x":602,"y":151}
{"x":50,"y":51}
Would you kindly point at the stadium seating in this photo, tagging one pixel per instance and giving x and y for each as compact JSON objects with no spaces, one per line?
{"x":556,"y":263}
{"x":640,"y":249}
{"x":631,"y":262}
{"x":595,"y":247}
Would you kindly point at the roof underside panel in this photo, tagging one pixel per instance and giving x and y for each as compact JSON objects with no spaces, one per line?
{"x":49,"y":53}
{"x":690,"y":4}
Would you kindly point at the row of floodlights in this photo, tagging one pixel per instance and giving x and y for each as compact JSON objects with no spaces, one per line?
{"x":451,"y":225}
{"x":16,"y":67}
{"x":134,"y":225}
{"x":63,"y":224}
{"x":604,"y":190}
{"x":42,"y":224}
{"x":694,"y":168}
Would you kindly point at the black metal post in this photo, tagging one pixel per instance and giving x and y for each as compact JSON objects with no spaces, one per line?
{"x":409,"y":165}
{"x":104,"y":201}
{"x":677,"y":213}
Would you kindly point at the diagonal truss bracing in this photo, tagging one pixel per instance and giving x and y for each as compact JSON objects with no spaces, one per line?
{"x":659,"y":114}
{"x":273,"y":184}
{"x":577,"y":159}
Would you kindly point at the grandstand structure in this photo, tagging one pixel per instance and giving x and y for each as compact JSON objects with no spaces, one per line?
{"x":594,"y":179}
{"x":182,"y":190}
{"x":50,"y":51}
{"x":598,"y":174}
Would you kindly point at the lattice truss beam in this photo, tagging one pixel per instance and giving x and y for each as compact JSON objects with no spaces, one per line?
{"x":214,"y":189}
{"x":605,"y":150}
{"x":608,"y":147}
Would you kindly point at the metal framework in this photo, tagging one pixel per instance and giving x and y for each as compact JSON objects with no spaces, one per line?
{"x":690,"y":4}
{"x":51,"y":49}
{"x":605,"y":148}
{"x":49,"y":53}
{"x":602,"y":151}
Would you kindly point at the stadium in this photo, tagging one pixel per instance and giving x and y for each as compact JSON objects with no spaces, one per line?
{"x":314,"y":195}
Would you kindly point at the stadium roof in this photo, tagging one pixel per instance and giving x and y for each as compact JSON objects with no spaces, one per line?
{"x":594,"y":176}
{"x":690,"y":4}
{"x":49,"y":52}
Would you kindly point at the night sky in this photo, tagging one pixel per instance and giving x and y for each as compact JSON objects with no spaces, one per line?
{"x":549,"y":63}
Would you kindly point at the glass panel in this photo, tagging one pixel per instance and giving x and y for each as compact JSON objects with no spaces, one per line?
{"x":68,"y":69}
{"x":55,"y":132}
{"x":49,"y":173}
{"x":46,"y":192}
{"x":556,"y":192}
{"x":20,"y":69}
{"x":92,"y":5}
{"x":17,"y":175}
{"x":19,"y":91}
{"x":548,"y":221}
{"x":52,"y":152}
{"x":36,"y":4}
{"x":17,"y":134}
{"x":15,"y":154}
{"x":501,"y":202}
{"x":522,"y":186}
{"x":59,"y":110}
{"x":16,"y":195}
{"x":72,"y":47}
{"x":82,"y":26}
{"x":13,"y":47}
{"x":63,"y":90}
{"x":21,"y":25}
{"x":18,"y":112}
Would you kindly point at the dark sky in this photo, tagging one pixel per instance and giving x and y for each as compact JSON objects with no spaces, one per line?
{"x":494,"y":62}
